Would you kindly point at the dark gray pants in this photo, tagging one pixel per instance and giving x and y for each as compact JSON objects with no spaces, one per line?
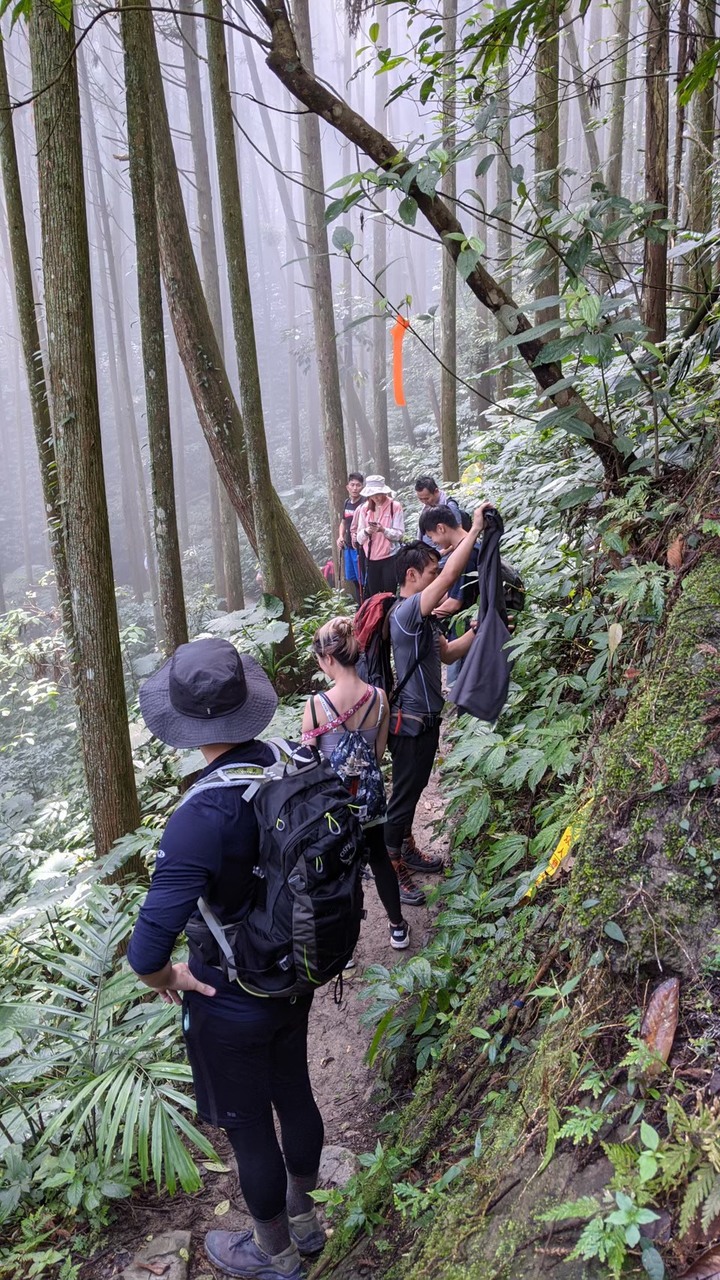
{"x":412,"y":762}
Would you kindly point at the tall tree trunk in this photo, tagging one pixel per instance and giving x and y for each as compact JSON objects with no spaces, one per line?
{"x":225,"y":535}
{"x":32,"y":354}
{"x":582,"y":99}
{"x":657,"y":66}
{"x":616,"y":143}
{"x":266,"y":532}
{"x":294,"y":399}
{"x":322,"y":296}
{"x":215,"y":403}
{"x":128,"y":422}
{"x":283,"y":186}
{"x":700,"y":184}
{"x":613,"y":177}
{"x":679,"y":151}
{"x":177,"y":421}
{"x":130,"y":511}
{"x":504,"y":202}
{"x":448,"y":282}
{"x":22,"y":484}
{"x":547,"y":157}
{"x":285,"y":62}
{"x":216,"y":533}
{"x":379,"y":257}
{"x":152,"y":329}
{"x":102,"y":713}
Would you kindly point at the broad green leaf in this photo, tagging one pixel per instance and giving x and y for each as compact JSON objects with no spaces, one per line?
{"x":614,"y":931}
{"x":408,"y":210}
{"x":343,"y":239}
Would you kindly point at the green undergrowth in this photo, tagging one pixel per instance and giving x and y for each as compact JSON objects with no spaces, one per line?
{"x":529,"y":1129}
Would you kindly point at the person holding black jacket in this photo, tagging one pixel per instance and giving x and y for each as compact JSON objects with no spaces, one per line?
{"x":416,"y":716}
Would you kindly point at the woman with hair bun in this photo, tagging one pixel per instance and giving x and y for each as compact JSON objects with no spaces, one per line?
{"x":349,"y":725}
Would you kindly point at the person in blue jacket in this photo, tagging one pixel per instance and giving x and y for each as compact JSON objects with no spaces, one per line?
{"x":248,"y":1054}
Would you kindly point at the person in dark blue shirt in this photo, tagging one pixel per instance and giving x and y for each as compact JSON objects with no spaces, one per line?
{"x":248,"y":1054}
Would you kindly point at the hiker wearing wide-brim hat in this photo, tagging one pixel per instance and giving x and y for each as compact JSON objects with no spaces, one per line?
{"x":375,"y":485}
{"x":247,"y":1054}
{"x":207,"y":693}
{"x":378,"y":529}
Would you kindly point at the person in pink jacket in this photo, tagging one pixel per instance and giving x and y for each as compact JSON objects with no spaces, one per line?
{"x":377,"y":530}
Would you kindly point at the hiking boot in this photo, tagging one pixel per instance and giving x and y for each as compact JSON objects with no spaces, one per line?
{"x":307,"y":1234}
{"x":418,"y":861}
{"x":410,"y":894}
{"x":399,"y":935}
{"x":349,"y":967}
{"x":237,"y":1254}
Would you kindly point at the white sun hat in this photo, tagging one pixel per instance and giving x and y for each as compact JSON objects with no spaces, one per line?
{"x":375,"y":484}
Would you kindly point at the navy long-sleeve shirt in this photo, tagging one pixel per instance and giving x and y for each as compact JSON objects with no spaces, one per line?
{"x":208,"y":849}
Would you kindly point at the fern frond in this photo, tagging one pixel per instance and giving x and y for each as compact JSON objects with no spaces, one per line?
{"x":698,"y":1191}
{"x":711,"y":1208}
{"x":585,"y":1207}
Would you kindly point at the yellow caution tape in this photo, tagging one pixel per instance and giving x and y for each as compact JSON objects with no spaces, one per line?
{"x":562,"y":849}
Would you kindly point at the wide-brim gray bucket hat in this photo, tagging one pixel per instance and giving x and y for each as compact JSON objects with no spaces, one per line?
{"x":206,"y":693}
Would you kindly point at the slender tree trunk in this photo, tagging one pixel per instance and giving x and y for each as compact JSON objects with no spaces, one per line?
{"x":102,"y":713}
{"x":616,"y":143}
{"x":176,"y":418}
{"x":225,"y":535}
{"x":504,"y":202}
{"x":700,"y":184}
{"x":136,"y":575}
{"x":294,"y":399}
{"x":322,"y":295}
{"x":127,"y":422}
{"x":361,"y":418}
{"x":266,"y":532}
{"x":547,"y":158}
{"x":586,"y":115}
{"x":657,"y":66}
{"x":22,"y":483}
{"x":613,"y":179}
{"x":680,"y":71}
{"x":215,"y":403}
{"x":381,"y":450}
{"x":32,"y":354}
{"x":448,"y":282}
{"x":152,"y":329}
{"x":283,"y":186}
{"x":216,"y":534}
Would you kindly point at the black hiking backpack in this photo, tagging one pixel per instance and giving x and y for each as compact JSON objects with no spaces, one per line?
{"x":304,"y":920}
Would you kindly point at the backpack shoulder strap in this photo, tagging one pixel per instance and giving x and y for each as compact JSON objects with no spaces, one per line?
{"x":328,"y":704}
{"x":218,"y":934}
{"x":373,"y":700}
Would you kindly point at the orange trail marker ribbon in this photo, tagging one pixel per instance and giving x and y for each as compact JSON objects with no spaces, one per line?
{"x":398,"y":333}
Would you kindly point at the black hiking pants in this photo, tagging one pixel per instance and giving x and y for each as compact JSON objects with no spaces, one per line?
{"x":381,"y":576}
{"x":412,"y":762}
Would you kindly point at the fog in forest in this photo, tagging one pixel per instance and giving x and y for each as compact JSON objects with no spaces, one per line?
{"x":391,"y":267}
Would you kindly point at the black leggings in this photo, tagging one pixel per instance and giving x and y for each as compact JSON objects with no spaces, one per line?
{"x":386,"y":881}
{"x":244,"y":1066}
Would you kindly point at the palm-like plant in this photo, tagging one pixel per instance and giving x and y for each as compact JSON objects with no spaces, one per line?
{"x":98,"y":1069}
